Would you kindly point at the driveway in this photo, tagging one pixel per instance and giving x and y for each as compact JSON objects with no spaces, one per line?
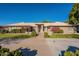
{"x":57,"y":45}
{"x":41,"y":46}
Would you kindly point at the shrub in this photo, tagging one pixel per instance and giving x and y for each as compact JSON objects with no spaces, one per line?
{"x":60,"y":31}
{"x":6,"y":52}
{"x":77,"y":52}
{"x":17,"y":31}
{"x":75,"y":36}
{"x":16,"y":53}
{"x":46,"y":34}
{"x":33,"y":33}
{"x":4,"y":31}
{"x":56,"y":30}
{"x":69,"y":53}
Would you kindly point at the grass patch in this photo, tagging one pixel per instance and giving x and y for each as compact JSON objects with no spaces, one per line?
{"x":64,"y":36}
{"x":21,"y":36}
{"x":7,"y":35}
{"x":15,"y":36}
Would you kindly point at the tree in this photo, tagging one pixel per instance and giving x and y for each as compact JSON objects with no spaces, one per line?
{"x":74,"y":15}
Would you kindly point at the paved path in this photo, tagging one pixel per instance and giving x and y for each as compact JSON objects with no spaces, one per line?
{"x":37,"y":43}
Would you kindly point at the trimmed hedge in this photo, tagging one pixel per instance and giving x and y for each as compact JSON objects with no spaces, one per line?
{"x":64,"y":36}
{"x":21,"y":36}
{"x":14,"y":36}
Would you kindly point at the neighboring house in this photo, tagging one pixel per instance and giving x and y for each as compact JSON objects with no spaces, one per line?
{"x":42,"y":27}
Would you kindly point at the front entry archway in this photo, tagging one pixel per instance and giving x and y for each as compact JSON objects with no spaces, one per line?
{"x":40,"y":27}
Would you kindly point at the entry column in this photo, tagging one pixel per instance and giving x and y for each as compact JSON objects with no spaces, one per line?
{"x":41,"y":28}
{"x":46,"y":29}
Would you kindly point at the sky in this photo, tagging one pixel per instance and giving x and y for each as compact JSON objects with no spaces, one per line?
{"x":15,"y":13}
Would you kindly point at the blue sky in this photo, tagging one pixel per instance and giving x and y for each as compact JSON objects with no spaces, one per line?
{"x":14,"y":13}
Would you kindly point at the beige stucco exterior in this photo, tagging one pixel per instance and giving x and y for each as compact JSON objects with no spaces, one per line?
{"x":67,"y":28}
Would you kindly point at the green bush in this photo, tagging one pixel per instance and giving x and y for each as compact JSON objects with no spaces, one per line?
{"x":60,"y":31}
{"x":69,"y":53}
{"x":46,"y":34}
{"x":56,"y":35}
{"x":33,"y":34}
{"x":77,"y":52}
{"x":6,"y":52}
{"x":15,"y":53}
{"x":75,"y":36}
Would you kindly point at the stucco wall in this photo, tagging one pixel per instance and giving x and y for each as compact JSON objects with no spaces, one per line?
{"x":66,"y":30}
{"x":10,"y":28}
{"x":69,"y":30}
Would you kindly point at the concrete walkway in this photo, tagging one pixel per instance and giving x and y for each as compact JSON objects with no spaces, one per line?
{"x":38,"y":43}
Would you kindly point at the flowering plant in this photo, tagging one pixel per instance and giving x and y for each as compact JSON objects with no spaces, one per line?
{"x":56,"y":30}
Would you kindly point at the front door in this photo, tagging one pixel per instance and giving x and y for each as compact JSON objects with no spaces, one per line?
{"x":39,"y":28}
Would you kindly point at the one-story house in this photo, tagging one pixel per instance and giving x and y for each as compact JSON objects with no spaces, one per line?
{"x":42,"y":27}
